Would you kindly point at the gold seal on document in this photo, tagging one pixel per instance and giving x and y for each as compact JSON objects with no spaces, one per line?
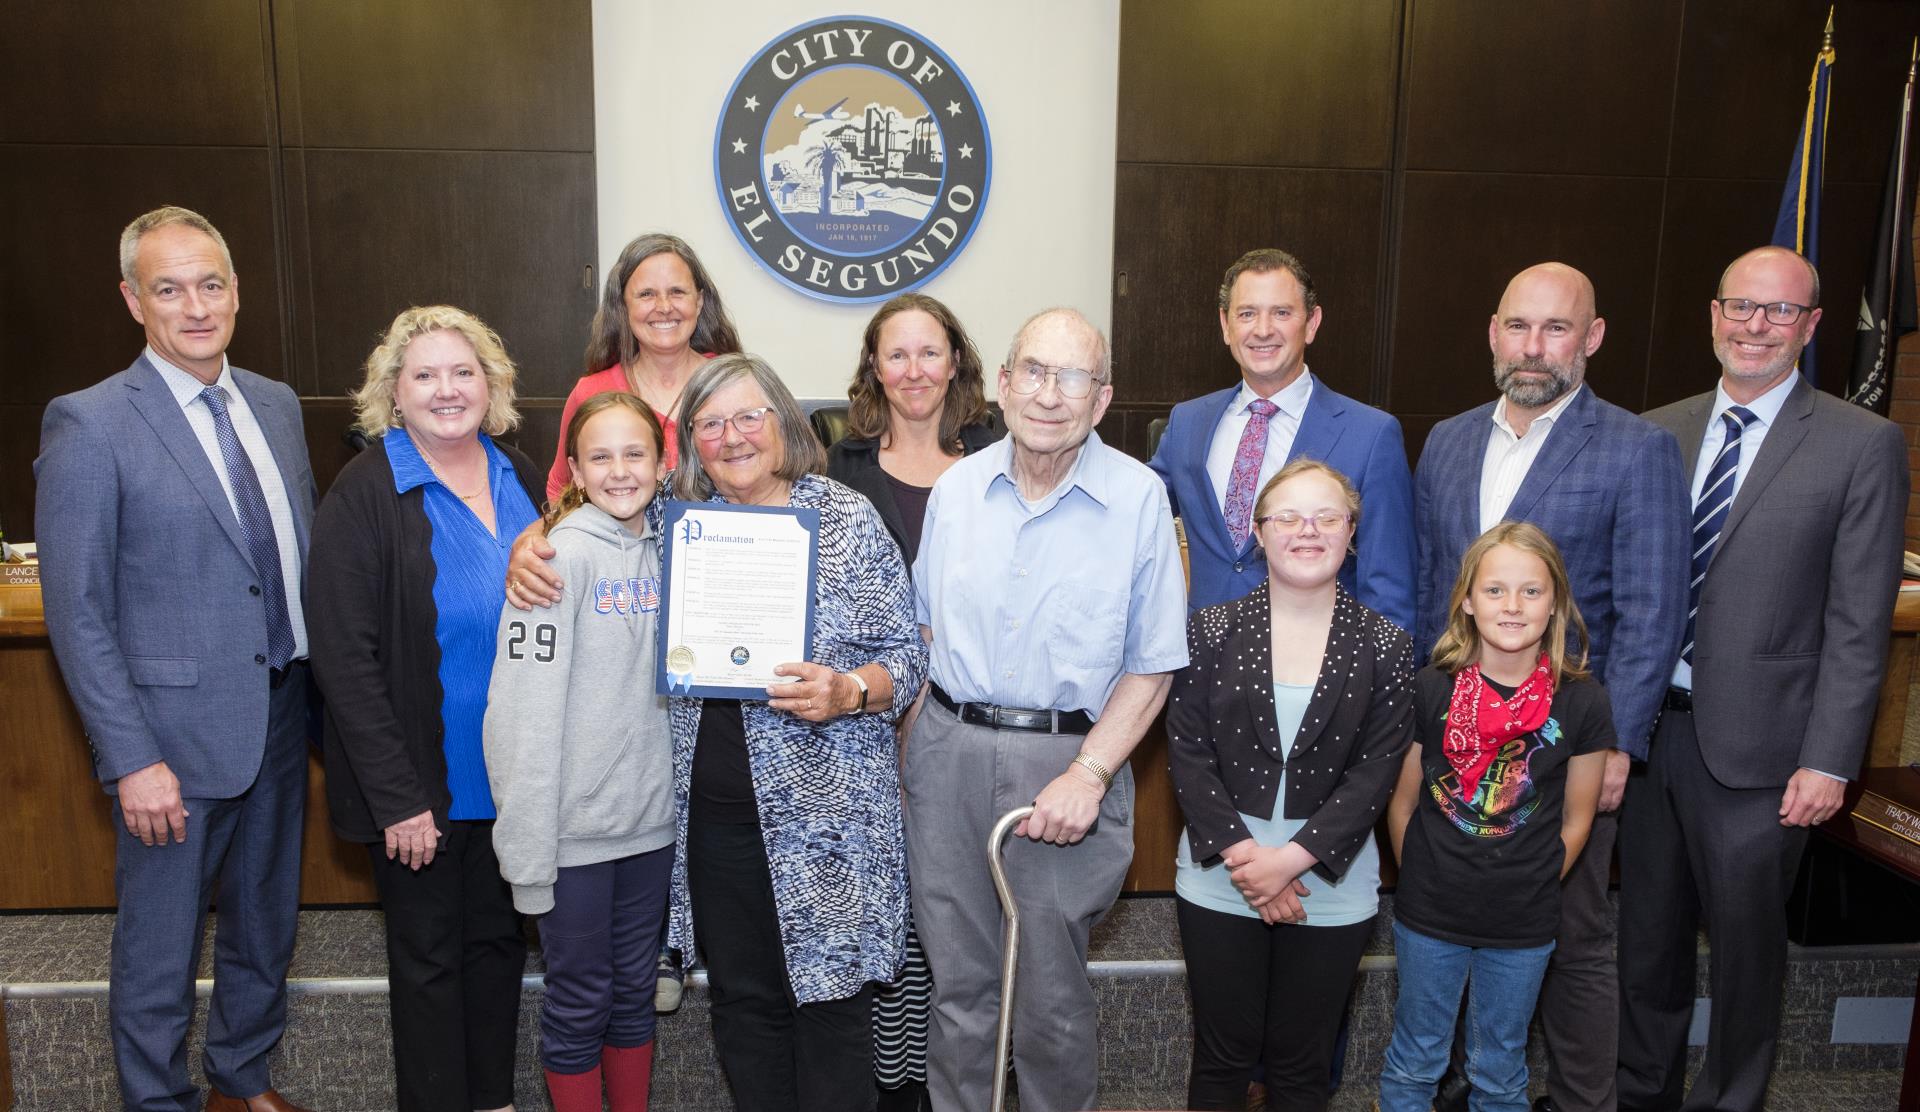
{"x":680,"y":659}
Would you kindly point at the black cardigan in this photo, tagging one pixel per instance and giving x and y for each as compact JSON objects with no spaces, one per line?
{"x":1224,"y":747}
{"x":370,"y":623}
{"x":855,"y":461}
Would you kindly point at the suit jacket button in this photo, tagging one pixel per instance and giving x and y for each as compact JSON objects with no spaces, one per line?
{"x":259,"y":658}
{"x":1239,"y":568}
{"x":253,"y":589}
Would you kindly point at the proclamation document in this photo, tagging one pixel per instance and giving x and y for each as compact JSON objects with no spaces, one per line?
{"x":736,"y":597}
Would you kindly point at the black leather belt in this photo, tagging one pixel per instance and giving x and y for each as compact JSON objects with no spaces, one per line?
{"x":1015,"y":718}
{"x":1680,"y":699}
{"x":277,"y":677}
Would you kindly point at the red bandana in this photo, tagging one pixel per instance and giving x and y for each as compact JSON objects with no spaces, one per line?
{"x":1479,"y":722}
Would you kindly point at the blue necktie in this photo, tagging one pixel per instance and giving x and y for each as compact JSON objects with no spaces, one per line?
{"x":256,"y":525}
{"x":1710,"y":512}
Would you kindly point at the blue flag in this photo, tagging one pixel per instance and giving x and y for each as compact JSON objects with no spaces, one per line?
{"x":1797,"y":227}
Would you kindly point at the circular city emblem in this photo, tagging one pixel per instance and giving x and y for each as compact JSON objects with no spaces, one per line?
{"x":680,"y":659}
{"x":852,"y":159}
{"x":738,"y":655}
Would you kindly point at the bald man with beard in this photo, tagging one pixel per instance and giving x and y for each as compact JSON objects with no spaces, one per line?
{"x":1607,"y":486}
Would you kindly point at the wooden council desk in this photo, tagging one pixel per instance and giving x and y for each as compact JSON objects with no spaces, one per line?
{"x":56,"y":825}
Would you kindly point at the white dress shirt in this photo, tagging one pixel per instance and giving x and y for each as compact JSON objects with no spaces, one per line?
{"x":1282,"y":427}
{"x":1510,"y":456}
{"x":186,"y":390}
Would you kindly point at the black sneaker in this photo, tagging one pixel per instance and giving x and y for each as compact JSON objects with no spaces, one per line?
{"x":667,"y":987}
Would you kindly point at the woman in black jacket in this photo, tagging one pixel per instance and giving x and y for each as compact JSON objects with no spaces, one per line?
{"x":1285,"y":735}
{"x":406,"y":584}
{"x":916,"y":406}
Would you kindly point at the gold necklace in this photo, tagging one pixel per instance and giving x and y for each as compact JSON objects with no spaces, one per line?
{"x":434,"y":466}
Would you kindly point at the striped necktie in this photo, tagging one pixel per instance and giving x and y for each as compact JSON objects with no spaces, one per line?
{"x":1710,"y":512}
{"x":256,"y":527}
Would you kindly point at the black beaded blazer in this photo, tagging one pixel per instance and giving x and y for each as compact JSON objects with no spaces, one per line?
{"x":1224,"y":747}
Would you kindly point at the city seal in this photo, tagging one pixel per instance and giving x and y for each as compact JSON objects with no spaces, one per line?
{"x":852,"y":159}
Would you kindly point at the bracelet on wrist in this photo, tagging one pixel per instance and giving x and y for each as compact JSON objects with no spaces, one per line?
{"x":1086,"y":761}
{"x":860,"y":683}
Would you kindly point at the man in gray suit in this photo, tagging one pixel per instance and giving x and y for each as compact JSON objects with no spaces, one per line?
{"x":173,"y":507}
{"x":1798,"y":501}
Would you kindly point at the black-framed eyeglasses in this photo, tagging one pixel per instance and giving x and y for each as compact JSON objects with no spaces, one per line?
{"x":1778,"y":312}
{"x":1027,"y":378}
{"x":748,"y":421}
{"x":1325,"y":521}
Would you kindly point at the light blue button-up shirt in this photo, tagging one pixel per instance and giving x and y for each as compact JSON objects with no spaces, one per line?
{"x":1046,"y":604}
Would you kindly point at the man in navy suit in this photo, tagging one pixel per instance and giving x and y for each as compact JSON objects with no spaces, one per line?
{"x":1220,"y":449}
{"x":1608,"y":488}
{"x":173,"y":507}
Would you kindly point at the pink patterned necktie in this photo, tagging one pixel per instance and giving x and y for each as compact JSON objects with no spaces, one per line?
{"x":1246,"y":470}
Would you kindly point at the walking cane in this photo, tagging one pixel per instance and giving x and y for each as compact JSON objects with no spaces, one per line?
{"x":1009,"y":949}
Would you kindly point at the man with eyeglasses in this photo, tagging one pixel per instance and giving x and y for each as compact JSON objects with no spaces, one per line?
{"x":1048,"y":585}
{"x":1797,"y":506}
{"x":1606,"y":485}
{"x":1220,"y":449}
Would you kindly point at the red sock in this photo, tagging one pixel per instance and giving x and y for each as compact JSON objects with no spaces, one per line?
{"x":575,"y":1092}
{"x":629,"y":1071}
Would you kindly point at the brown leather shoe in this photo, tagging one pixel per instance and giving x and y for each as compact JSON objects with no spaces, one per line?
{"x":268,"y":1101}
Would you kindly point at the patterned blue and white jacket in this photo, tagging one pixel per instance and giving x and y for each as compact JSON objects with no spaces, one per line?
{"x":829,"y":793}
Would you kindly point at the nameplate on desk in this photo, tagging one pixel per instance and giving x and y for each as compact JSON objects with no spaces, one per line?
{"x":1875,"y":809}
{"x":20,"y":575}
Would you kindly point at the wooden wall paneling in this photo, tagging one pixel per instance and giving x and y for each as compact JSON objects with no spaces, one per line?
{"x":454,"y":74}
{"x":63,"y":323}
{"x":1742,"y":91}
{"x":504,"y":235}
{"x":1178,"y":228}
{"x":106,"y":71}
{"x":539,"y":431}
{"x":1462,"y":236}
{"x":1580,"y":87}
{"x":19,"y":444}
{"x":1708,"y":224}
{"x":1249,"y":82}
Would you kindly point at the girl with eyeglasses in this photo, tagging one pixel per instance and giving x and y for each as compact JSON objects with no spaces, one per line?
{"x":1285,"y":735}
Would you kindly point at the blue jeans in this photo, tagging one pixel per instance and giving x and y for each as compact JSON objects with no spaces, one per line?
{"x":1501,"y":987}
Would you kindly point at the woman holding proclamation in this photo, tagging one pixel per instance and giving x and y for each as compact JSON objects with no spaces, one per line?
{"x":1285,"y":735}
{"x":408,"y":559}
{"x":792,"y":850}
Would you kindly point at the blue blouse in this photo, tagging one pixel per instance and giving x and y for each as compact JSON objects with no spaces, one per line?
{"x":469,"y":588}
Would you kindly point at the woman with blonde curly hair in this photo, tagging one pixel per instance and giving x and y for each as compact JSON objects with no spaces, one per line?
{"x":405,"y":578}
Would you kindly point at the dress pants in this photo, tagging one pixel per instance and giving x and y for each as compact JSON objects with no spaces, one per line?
{"x":1579,"y":1001}
{"x":1271,"y":995}
{"x":247,"y":850}
{"x":455,"y":955}
{"x":1688,"y":844}
{"x":779,"y":1055}
{"x":959,"y":779}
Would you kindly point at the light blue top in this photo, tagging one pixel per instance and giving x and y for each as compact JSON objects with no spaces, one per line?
{"x":1047,"y":603}
{"x":469,"y":588}
{"x":1355,"y":899}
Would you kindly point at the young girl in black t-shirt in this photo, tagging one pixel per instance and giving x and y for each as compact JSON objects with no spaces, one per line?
{"x":1495,"y":801}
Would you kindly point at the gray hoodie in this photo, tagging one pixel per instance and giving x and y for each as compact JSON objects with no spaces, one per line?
{"x":578,"y":752}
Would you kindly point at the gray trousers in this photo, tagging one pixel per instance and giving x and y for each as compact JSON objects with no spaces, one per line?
{"x":1580,"y":999}
{"x":959,"y":780}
